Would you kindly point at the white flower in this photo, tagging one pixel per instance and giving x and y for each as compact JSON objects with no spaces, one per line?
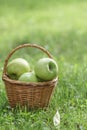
{"x":56,"y":119}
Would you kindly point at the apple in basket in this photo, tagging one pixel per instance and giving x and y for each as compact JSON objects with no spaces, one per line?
{"x":28,"y":77}
{"x":46,"y":69}
{"x":17,"y":67}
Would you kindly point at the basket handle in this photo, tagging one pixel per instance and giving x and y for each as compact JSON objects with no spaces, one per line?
{"x":22,"y":46}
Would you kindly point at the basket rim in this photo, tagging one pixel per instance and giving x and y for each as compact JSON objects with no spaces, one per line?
{"x":6,"y":78}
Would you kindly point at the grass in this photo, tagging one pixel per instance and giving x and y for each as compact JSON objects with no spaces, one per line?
{"x":60,"y":27}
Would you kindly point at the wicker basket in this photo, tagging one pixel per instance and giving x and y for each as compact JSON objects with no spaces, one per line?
{"x":32,"y":95}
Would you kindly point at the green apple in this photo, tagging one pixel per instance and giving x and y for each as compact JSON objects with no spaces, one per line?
{"x":46,"y":69}
{"x":28,"y":77}
{"x":17,"y":67}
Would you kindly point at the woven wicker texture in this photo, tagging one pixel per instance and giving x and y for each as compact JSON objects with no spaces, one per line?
{"x":32,"y":95}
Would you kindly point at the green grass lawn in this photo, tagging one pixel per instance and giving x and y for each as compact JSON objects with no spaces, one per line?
{"x":60,"y":27}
